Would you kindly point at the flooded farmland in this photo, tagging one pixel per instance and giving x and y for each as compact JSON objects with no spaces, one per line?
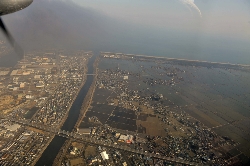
{"x":217,"y":96}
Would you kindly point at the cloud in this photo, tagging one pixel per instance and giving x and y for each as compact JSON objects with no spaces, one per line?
{"x":191,"y":4}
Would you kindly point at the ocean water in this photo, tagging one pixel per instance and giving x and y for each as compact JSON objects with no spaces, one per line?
{"x":164,"y":43}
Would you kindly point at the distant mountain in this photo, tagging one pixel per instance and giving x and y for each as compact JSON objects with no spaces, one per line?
{"x":60,"y":24}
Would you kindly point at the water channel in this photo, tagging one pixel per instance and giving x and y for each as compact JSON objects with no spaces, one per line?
{"x":52,"y":150}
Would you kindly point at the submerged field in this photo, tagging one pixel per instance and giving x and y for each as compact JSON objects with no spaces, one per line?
{"x":217,"y":97}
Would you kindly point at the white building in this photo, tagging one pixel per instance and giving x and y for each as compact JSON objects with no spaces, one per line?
{"x":104,"y":155}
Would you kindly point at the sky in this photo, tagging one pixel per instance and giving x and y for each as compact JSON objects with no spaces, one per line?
{"x":218,"y":17}
{"x":210,"y":30}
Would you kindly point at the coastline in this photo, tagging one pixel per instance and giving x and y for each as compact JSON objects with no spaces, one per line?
{"x":180,"y":61}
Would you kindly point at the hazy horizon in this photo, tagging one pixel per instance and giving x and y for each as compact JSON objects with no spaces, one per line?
{"x":203,"y":30}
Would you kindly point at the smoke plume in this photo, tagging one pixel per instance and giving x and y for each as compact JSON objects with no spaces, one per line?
{"x":191,"y":4}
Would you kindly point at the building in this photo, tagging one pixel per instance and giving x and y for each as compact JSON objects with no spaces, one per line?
{"x":84,"y":131}
{"x":39,"y":85}
{"x":13,"y":127}
{"x":15,"y":88}
{"x":22,"y":85}
{"x":117,"y":135}
{"x":28,"y":97}
{"x":37,"y":76}
{"x":26,"y":73}
{"x":4,"y":73}
{"x":104,"y":155}
{"x":126,"y":138}
{"x":14,"y":72}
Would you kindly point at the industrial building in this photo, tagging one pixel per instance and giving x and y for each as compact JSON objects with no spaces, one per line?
{"x":84,"y":131}
{"x":126,"y":138}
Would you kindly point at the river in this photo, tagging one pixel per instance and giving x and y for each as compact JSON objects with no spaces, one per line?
{"x":52,"y":150}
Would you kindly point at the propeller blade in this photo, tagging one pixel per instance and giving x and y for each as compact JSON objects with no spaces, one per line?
{"x":6,"y":32}
{"x":13,"y":43}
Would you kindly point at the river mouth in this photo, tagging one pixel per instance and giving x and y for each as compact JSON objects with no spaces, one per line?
{"x":55,"y":145}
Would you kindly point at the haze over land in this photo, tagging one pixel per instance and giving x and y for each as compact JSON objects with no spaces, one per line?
{"x":213,"y":31}
{"x":168,"y":110}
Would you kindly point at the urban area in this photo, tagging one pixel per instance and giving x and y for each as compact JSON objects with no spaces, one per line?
{"x":139,"y":110}
{"x":130,"y":109}
{"x":39,"y":89}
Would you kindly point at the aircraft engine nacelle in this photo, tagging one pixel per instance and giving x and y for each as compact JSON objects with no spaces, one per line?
{"x":11,"y":6}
